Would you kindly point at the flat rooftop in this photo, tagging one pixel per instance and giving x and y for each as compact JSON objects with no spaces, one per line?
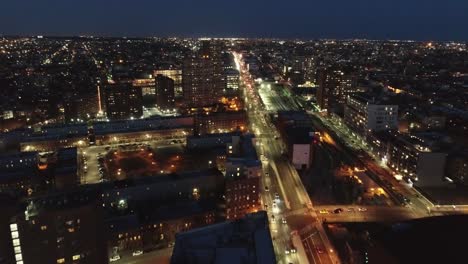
{"x":245,"y":241}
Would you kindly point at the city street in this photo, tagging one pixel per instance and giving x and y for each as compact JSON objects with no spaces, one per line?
{"x":364,"y":213}
{"x":284,"y":180}
{"x":162,"y":256}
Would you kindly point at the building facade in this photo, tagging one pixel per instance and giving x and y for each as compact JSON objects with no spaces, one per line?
{"x":165,"y":99}
{"x":203,"y":78}
{"x":220,"y":122}
{"x":60,"y":229}
{"x":123,"y":101}
{"x":366,"y":115}
{"x":334,"y":86}
{"x":411,"y":157}
{"x":176,"y":76}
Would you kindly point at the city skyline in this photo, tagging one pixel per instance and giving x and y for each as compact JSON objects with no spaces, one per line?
{"x":418,"y":20}
{"x":174,"y":132}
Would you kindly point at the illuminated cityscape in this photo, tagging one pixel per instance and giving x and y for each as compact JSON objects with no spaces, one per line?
{"x":119,"y":149}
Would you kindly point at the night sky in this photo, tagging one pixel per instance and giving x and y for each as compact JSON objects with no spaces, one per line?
{"x":373,"y":19}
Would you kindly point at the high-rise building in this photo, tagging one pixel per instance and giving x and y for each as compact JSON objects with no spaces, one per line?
{"x":174,"y":74}
{"x":123,"y":101}
{"x":296,"y":73}
{"x":148,"y":90}
{"x":147,"y":86}
{"x":203,"y":77}
{"x":232,"y":79}
{"x":309,"y":69}
{"x":78,"y":107}
{"x":164,"y":92}
{"x":334,"y":86}
{"x":365,"y":114}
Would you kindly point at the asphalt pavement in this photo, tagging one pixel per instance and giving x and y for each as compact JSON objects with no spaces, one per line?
{"x":282,"y":179}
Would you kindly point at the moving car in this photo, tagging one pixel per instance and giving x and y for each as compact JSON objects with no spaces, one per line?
{"x":337,"y":210}
{"x":114,"y":258}
{"x":137,"y":253}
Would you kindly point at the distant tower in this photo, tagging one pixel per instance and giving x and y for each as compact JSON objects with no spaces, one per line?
{"x":203,"y":76}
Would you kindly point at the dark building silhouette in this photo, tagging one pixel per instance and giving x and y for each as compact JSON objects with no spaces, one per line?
{"x":175,"y":73}
{"x":9,"y":209}
{"x":61,"y":228}
{"x":164,"y":92}
{"x":123,"y":101}
{"x":79,"y":107}
{"x":334,"y":86}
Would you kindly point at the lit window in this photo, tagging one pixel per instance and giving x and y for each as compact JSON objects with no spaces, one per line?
{"x":62,"y":260}
{"x":14,"y":227}
{"x":17,"y":250}
{"x":14,"y":234}
{"x":44,"y":227}
{"x":76,"y":257}
{"x":18,"y":257}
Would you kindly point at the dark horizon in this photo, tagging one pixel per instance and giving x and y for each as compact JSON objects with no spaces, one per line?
{"x":223,"y":37}
{"x":418,"y":20}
